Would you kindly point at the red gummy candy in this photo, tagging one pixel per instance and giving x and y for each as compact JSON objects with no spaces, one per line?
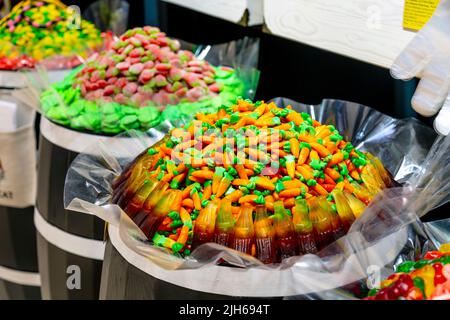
{"x":146,"y":76}
{"x":123,"y":66}
{"x":130,"y":89}
{"x":109,"y":90}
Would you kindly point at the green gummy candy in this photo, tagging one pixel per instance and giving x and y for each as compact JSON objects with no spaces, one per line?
{"x":76,"y":108}
{"x":91,"y":107}
{"x":223,"y":74}
{"x":91,"y":121}
{"x":49,"y":102}
{"x":159,"y":240}
{"x":129,"y":122}
{"x":148,"y":114}
{"x":177,"y":247}
{"x":58,"y":113}
{"x":405,"y":267}
{"x":110,"y":108}
{"x":228,"y":96}
{"x":111,"y":120}
{"x":77,"y":123}
{"x":129,"y":110}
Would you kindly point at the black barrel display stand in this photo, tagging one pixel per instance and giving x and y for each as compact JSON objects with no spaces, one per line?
{"x":121,"y":280}
{"x":19,"y":277}
{"x":128,"y":275}
{"x":70,"y":246}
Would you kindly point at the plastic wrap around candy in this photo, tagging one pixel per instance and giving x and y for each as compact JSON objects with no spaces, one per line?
{"x":145,"y":78}
{"x":378,"y":236}
{"x":47,"y":32}
{"x":203,"y":183}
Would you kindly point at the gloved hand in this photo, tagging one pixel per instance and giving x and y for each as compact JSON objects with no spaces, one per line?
{"x":428,"y":56}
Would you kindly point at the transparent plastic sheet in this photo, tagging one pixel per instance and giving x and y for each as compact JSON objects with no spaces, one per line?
{"x":241,"y":55}
{"x":109,"y":15}
{"x":388,"y":231}
{"x":428,"y":189}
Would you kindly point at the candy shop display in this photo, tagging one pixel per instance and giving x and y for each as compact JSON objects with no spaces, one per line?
{"x":36,"y":31}
{"x":266,"y":181}
{"x":143,"y":79}
{"x":427,"y":279}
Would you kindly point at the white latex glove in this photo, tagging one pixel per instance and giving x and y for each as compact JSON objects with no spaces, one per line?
{"x":428,"y":56}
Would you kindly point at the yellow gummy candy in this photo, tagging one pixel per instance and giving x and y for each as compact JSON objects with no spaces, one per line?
{"x":445,"y":248}
{"x":427,"y":275}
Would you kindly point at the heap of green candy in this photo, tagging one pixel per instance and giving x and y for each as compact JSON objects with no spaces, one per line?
{"x":141,"y":80}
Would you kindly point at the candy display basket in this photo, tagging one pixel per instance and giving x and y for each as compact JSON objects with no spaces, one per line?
{"x":128,"y":276}
{"x":337,"y":265}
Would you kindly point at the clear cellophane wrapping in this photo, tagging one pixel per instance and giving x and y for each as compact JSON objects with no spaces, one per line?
{"x":387,"y":233}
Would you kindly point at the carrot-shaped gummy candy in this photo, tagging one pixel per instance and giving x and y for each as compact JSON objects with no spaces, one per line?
{"x":295,"y":147}
{"x":224,"y":184}
{"x":184,"y":235}
{"x":384,"y":174}
{"x":161,"y":241}
{"x":218,"y":168}
{"x":155,"y":196}
{"x":290,"y":166}
{"x":372,"y":180}
{"x":305,"y":149}
{"x":217,"y":177}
